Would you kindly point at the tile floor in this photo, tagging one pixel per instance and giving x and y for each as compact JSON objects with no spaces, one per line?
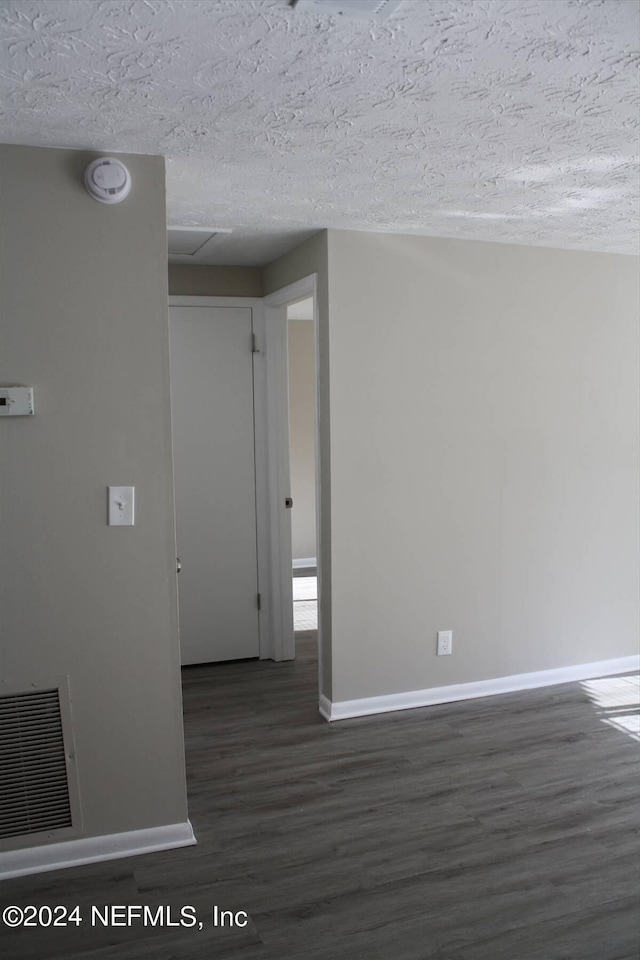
{"x":305,"y":603}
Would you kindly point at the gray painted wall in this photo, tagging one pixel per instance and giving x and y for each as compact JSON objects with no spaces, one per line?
{"x":204,"y":280}
{"x":479,"y":442}
{"x":484,"y":459}
{"x":83,"y":319}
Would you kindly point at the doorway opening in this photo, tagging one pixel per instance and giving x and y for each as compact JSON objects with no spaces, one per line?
{"x":302,"y":465}
{"x":282,"y":412}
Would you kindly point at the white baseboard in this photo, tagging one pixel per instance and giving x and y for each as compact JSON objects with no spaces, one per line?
{"x":325,"y":707}
{"x":74,"y":853}
{"x":342,"y":710}
{"x":305,"y":562}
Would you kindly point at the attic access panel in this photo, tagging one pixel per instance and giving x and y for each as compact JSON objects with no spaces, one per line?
{"x":193,"y":244}
{"x":367,"y":9}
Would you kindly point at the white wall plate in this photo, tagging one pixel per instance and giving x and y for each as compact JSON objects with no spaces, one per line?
{"x":16,"y":402}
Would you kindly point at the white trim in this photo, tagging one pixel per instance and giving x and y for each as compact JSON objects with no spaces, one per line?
{"x":262,"y":483}
{"x":277,"y":412}
{"x":300,"y":290}
{"x":261,"y":439}
{"x":277,"y":376}
{"x":304,"y":562}
{"x":324,"y":706}
{"x":74,"y":853}
{"x":344,"y":709}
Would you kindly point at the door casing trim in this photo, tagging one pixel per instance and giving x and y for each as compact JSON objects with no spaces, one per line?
{"x":276,"y":326}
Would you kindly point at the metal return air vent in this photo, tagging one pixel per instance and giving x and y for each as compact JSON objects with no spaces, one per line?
{"x":34,"y":781}
{"x":368,"y":9}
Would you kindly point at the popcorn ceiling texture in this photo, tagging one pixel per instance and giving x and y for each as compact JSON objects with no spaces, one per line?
{"x":508,"y":120}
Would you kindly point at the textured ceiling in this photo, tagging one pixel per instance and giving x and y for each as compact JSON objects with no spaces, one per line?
{"x":509,"y":120}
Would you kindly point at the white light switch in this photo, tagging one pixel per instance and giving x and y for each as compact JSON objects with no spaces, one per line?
{"x":121,"y":506}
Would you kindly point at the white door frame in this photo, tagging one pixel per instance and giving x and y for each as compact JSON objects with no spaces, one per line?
{"x":273,"y":485}
{"x":268,"y":649}
{"x":276,"y":304}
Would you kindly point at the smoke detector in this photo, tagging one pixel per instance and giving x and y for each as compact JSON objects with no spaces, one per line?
{"x":107,"y":180}
{"x":365,"y":9}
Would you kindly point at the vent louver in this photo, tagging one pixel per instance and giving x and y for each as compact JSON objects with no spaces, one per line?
{"x":34,"y":785}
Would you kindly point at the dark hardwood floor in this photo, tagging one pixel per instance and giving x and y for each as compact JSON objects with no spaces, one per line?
{"x":496,"y":829}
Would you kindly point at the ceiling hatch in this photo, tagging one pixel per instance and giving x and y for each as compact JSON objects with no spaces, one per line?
{"x":193,"y":244}
{"x":370,"y":9}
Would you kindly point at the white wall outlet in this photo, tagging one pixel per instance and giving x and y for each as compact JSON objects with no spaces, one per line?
{"x":121,"y":506}
{"x":445,"y":643}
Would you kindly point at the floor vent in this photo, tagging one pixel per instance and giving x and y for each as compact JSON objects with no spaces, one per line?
{"x":34,"y":782}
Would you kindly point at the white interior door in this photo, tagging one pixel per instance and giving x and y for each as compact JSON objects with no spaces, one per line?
{"x":214,"y":463}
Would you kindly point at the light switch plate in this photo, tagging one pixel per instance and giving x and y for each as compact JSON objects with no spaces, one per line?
{"x":121,"y":506}
{"x":16,"y":402}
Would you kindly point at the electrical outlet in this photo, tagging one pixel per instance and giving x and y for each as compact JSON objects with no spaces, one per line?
{"x":445,"y":643}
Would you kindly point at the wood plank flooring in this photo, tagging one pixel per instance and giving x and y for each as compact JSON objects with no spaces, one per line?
{"x":496,"y":829}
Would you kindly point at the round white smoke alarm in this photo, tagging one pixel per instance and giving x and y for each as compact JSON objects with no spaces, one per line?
{"x":107,"y":180}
